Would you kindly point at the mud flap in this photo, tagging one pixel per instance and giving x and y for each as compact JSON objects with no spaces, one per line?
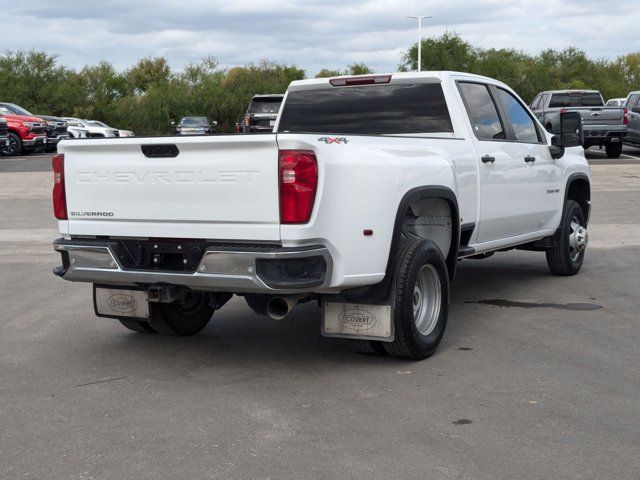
{"x":357,"y":321}
{"x":120,"y":302}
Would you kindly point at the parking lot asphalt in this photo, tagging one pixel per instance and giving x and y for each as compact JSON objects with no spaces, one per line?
{"x":537,"y":376}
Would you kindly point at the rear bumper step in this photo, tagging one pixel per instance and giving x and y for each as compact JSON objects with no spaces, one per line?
{"x":236,"y":270}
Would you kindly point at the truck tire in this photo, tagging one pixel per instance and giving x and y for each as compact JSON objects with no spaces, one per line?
{"x":421,"y":300}
{"x":181,"y":319}
{"x":614,"y":150}
{"x":15,"y":145}
{"x":136,"y":325}
{"x":368,"y":347}
{"x":566,"y":257}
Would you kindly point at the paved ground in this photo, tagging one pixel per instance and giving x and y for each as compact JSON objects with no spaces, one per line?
{"x":516,"y":390}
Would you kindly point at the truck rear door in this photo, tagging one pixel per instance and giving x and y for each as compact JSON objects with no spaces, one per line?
{"x":207,"y":187}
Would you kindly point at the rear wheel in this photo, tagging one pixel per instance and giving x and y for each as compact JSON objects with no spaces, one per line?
{"x":566,"y":257}
{"x":15,"y":145}
{"x":183,"y":318}
{"x":421,"y":300}
{"x":614,"y":150}
{"x":136,"y":325}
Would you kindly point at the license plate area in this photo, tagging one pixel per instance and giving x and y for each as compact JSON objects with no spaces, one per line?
{"x":120,"y":302}
{"x":357,"y":321}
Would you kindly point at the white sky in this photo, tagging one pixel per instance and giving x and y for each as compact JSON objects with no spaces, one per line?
{"x":309,"y":34}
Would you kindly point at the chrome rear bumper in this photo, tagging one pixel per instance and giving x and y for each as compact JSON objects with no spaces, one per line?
{"x":220,"y":269}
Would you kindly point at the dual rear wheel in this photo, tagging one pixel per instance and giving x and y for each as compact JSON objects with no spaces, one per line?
{"x":421,"y":303}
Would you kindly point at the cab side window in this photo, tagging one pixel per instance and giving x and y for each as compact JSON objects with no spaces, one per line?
{"x":524,"y":127}
{"x":633,"y":101}
{"x":482,"y":112}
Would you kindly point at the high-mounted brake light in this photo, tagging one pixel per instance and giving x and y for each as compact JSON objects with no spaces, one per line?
{"x":298,"y":180}
{"x":59,"y":196}
{"x":349,"y":81}
{"x":625,"y":120}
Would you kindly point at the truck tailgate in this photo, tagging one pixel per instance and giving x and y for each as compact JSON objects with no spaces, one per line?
{"x":217,"y":187}
{"x":601,"y":115}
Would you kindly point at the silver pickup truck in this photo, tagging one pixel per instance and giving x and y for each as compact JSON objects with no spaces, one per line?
{"x":603,"y":126}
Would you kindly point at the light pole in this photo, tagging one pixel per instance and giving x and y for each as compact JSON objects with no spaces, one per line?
{"x":419,"y":38}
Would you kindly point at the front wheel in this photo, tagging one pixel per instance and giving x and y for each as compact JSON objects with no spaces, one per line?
{"x":566,"y":257}
{"x":614,"y":150}
{"x":15,"y":145}
{"x":421,"y":300}
{"x":181,"y":318}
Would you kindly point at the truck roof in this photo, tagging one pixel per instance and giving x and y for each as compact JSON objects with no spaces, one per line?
{"x":572,"y":91}
{"x":438,"y":76}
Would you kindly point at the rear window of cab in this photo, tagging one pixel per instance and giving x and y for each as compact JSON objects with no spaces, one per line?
{"x":393,"y":109}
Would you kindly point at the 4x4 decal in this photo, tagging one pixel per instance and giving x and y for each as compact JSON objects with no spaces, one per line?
{"x":328,"y":140}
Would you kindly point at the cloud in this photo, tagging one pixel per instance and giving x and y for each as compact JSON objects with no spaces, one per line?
{"x":309,"y":34}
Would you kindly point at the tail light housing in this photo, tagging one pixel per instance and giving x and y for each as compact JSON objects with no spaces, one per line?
{"x":625,"y":120}
{"x":298,"y":180}
{"x":247,"y":120}
{"x":59,"y":196}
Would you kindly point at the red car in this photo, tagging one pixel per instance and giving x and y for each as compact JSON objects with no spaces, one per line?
{"x":26,"y":134}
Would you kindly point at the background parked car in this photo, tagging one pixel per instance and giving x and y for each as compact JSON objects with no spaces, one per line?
{"x":93,"y":130}
{"x":633,"y":111}
{"x":121,"y":133}
{"x":616,"y":102}
{"x":4,"y":139}
{"x":262,"y":113}
{"x":603,"y":126}
{"x":56,"y":126}
{"x":194,"y":126}
{"x":26,"y":133}
{"x":77,"y":132}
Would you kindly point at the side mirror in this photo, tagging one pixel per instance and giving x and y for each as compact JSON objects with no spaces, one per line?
{"x":570,"y":134}
{"x":173,"y":123}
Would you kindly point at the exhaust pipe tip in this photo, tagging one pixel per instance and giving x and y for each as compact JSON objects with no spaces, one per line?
{"x":278,"y":308}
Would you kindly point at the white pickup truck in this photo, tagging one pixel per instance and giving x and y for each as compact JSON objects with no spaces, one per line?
{"x":365,"y":197}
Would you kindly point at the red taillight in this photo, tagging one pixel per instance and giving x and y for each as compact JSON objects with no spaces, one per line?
{"x":563,"y":110}
{"x":625,"y":120}
{"x":247,"y":120}
{"x":349,"y":81}
{"x":59,"y":197}
{"x":298,"y":172}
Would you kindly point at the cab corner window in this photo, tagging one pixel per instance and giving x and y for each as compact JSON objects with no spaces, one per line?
{"x":482,"y":112}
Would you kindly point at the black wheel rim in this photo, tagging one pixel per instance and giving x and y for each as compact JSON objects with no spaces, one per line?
{"x":13,"y":146}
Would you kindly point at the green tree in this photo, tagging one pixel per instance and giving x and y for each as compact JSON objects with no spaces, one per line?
{"x":358,"y":69}
{"x":326,"y":73}
{"x":148,"y":72}
{"x":448,"y":52}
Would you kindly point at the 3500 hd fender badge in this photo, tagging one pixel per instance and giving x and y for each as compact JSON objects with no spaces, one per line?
{"x":338,"y":140}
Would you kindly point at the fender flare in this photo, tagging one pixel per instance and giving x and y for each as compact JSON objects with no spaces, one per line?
{"x":579,"y":176}
{"x":381,"y":292}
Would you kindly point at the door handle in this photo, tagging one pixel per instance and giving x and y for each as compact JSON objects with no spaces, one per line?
{"x":488,"y":158}
{"x":529,"y":159}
